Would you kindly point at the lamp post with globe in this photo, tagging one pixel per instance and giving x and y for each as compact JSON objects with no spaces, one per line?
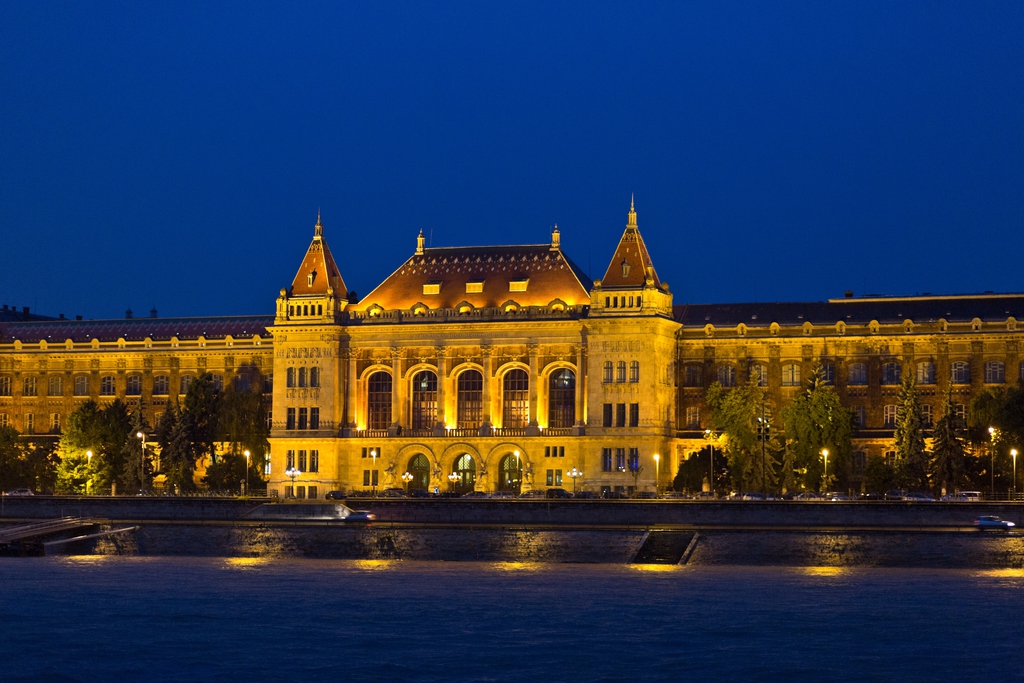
{"x":574,"y":474}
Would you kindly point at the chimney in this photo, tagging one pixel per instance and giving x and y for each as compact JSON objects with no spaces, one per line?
{"x":128,"y":314}
{"x":78,"y":317}
{"x":152,"y":312}
{"x":5,"y":307}
{"x":849,"y":293}
{"x":25,"y":312}
{"x":61,"y":316}
{"x":353,"y":298}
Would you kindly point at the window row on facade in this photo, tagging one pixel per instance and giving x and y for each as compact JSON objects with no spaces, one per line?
{"x":515,"y":399}
{"x":303,"y":377}
{"x":856,"y":373}
{"x":620,"y":459}
{"x":617,"y":372}
{"x":54,"y":384}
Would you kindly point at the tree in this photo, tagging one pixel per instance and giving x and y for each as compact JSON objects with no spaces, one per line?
{"x":911,"y":454}
{"x":102,"y":431}
{"x":242,"y":425}
{"x":202,"y":404}
{"x":1002,"y":409}
{"x":13,"y":466}
{"x":138,"y":470}
{"x":736,"y":413}
{"x":814,"y":421}
{"x":948,"y":453}
{"x":42,"y":460}
{"x":177,"y":453}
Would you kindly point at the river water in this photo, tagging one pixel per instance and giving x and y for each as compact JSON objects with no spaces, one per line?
{"x":105,"y":618}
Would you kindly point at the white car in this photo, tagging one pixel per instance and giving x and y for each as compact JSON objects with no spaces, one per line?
{"x":20,"y":492}
{"x":992,"y":522}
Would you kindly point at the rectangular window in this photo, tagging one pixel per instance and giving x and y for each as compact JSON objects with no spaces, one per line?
{"x":56,"y":385}
{"x":620,"y":459}
{"x":561,"y":451}
{"x":927,"y":415}
{"x":218,"y":382}
{"x":107,"y":386}
{"x":890,"y":458}
{"x":5,"y":386}
{"x":692,"y":376}
{"x":634,"y":414}
{"x":547,"y":451}
{"x":606,"y":460}
{"x":518,"y":285}
{"x":375,"y":477}
{"x":311,"y":493}
{"x":550,"y":481}
{"x":558,"y":477}
{"x":366,"y":477}
{"x":620,"y":415}
{"x":860,"y":461}
{"x":290,"y":420}
{"x":288,"y":491}
{"x":302,"y":461}
{"x":270,"y":419}
{"x":314,"y":418}
{"x":30,"y":424}
{"x":242,"y":382}
{"x":475,"y":287}
{"x":692,"y":417}
{"x":31,"y":387}
{"x":133,"y":386}
{"x":608,"y":372}
{"x":161,"y":385}
{"x":55,"y":423}
{"x":607,"y":414}
{"x":300,"y":491}
{"x":790,"y":375}
{"x":634,"y":371}
{"x":889,"y":416}
{"x":314,"y":461}
{"x":860,"y":415}
{"x":857,"y":374}
{"x":620,"y":371}
{"x":634,"y":459}
{"x":289,"y":461}
{"x":432,"y":287}
{"x":268,"y":383}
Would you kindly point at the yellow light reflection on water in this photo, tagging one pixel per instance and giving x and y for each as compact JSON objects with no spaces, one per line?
{"x":85,"y":559}
{"x":655,"y":567}
{"x":824,"y":571}
{"x":374,"y":565}
{"x":517,"y":566}
{"x":246,"y":562}
{"x":1007,"y":573}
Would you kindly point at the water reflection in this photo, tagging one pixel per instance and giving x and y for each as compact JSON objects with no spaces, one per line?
{"x":517,"y":566}
{"x":246,"y":562}
{"x":655,"y":567}
{"x":374,"y":565}
{"x":824,"y":571}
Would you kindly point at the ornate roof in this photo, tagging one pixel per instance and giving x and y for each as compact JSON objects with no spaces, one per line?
{"x":318,"y":270}
{"x":135,"y":329}
{"x":444,"y":277}
{"x":631,"y":263}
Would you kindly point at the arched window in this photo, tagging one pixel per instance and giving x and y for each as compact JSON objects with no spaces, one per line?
{"x":927,"y":414}
{"x":108,"y":387}
{"x":378,"y":401}
{"x":30,"y":387}
{"x":634,"y":371}
{"x":510,"y":473}
{"x":759,"y":374}
{"x":692,"y":376}
{"x":314,"y":377}
{"x":161,"y":385}
{"x":562,"y":399}
{"x":960,"y":372}
{"x":995,"y":372}
{"x":185,"y":383}
{"x":828,"y":373}
{"x":857,"y":375}
{"x":470,"y":390}
{"x":790,"y":375}
{"x":419,"y":468}
{"x":133,"y":387}
{"x":892,"y":374}
{"x":303,"y":378}
{"x":424,"y":400}
{"x":82,"y":385}
{"x":727,"y":376}
{"x":5,"y":386}
{"x":620,"y":371}
{"x":515,"y":399}
{"x":55,"y":385}
{"x":218,"y":382}
{"x":289,"y":378}
{"x":889,"y":416}
{"x":608,"y":371}
{"x":926,"y":372}
{"x":465,"y":468}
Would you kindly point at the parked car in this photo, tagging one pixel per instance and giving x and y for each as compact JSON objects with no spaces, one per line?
{"x":20,"y":492}
{"x":475,"y":494}
{"x":394,"y":493}
{"x":360,"y":516}
{"x":502,"y":494}
{"x":870,"y":495}
{"x":893,"y":494}
{"x":647,"y":495}
{"x":752,"y":495}
{"x":705,"y":495}
{"x":963,"y":497}
{"x":586,"y":495}
{"x":917,"y":497}
{"x":836,"y":496}
{"x":986,"y":522}
{"x":532,"y":493}
{"x":808,"y":495}
{"x":615,"y":495}
{"x":335,"y":495}
{"x":418,"y":493}
{"x":558,"y":493}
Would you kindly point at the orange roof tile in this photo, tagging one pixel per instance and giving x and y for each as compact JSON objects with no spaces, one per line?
{"x":631,"y":262}
{"x":318,"y":270}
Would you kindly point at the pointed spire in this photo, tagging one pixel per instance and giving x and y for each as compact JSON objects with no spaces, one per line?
{"x":420,"y":239}
{"x":632,"y":214}
{"x":318,"y":229}
{"x":556,"y":238}
{"x":631,"y":265}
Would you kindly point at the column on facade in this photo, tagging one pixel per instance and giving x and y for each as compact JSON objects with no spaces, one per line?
{"x":442,"y":378}
{"x":581,"y":388}
{"x":396,"y":384}
{"x":488,"y":362}
{"x":351,"y":414}
{"x":534,"y":381}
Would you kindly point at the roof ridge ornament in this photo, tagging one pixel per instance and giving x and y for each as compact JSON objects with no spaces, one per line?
{"x":632,"y":214}
{"x":318,"y":229}
{"x":420,"y":239}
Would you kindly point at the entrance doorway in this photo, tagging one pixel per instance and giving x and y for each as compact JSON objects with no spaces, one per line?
{"x":510,"y":474}
{"x":465,"y":468}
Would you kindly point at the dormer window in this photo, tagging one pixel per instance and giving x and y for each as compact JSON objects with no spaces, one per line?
{"x":475,"y":287}
{"x":432,"y":287}
{"x":311,"y":277}
{"x":625,"y":268}
{"x":518,"y":285}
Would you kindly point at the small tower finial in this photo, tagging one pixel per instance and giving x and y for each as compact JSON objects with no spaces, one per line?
{"x":556,"y":238}
{"x":632,"y":214}
{"x":318,"y":229}
{"x":419,"y":242}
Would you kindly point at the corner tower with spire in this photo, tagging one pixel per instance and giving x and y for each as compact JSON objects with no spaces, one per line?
{"x":631,"y":285}
{"x":318,"y":293}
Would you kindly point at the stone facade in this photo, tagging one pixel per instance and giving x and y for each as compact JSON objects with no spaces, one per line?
{"x":504,"y":368}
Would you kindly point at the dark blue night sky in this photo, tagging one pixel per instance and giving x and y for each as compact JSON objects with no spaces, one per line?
{"x":175,"y":154}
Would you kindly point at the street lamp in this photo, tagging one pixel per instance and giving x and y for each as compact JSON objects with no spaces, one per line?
{"x":293,"y":473}
{"x":407,"y":478}
{"x":373,"y":474}
{"x":762,"y":427}
{"x":573,"y":474}
{"x":709,"y":436}
{"x":519,"y":471}
{"x":88,"y":460}
{"x":248,"y":455}
{"x":453,"y":477}
{"x":142,"y":465}
{"x":1013,"y":454}
{"x":657,"y":461}
{"x":992,"y":455}
{"x":824,"y":482}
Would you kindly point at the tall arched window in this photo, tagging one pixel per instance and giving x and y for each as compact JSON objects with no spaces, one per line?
{"x":419,"y":468}
{"x":378,"y":401}
{"x":620,"y":371}
{"x":30,"y":387}
{"x":759,"y":373}
{"x":314,"y":377}
{"x":82,"y":385}
{"x":161,"y":385}
{"x":607,"y":371}
{"x":133,"y":387}
{"x":960,"y":372}
{"x":727,"y":376}
{"x":289,"y":378}
{"x":995,"y":372}
{"x":515,"y":399}
{"x":302,"y":377}
{"x":790,"y":375}
{"x":892,"y":373}
{"x":634,"y":371}
{"x":510,"y":473}
{"x":56,"y":385}
{"x":465,"y":468}
{"x":926,"y":372}
{"x":424,"y":400}
{"x":562,"y":399}
{"x":470,"y":391}
{"x":692,"y":376}
{"x":857,"y":375}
